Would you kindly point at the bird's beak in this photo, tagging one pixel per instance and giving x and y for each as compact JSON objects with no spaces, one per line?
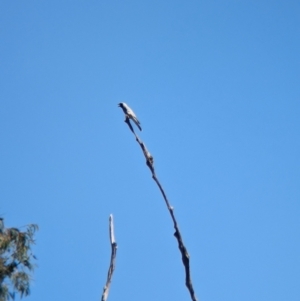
{"x":119,"y":105}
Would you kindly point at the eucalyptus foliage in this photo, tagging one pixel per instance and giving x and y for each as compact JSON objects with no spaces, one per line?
{"x":16,"y":261}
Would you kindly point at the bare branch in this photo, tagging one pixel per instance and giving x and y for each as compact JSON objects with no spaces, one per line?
{"x":111,"y":230}
{"x":184,"y":253}
{"x":112,"y":259}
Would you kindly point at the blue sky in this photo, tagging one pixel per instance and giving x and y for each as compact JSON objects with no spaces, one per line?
{"x":215,"y":85}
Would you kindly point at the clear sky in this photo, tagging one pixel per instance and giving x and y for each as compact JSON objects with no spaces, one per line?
{"x":216,"y":86}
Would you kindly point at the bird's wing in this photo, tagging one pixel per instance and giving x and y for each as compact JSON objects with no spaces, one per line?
{"x":131,"y":115}
{"x":130,"y":112}
{"x":136,"y":121}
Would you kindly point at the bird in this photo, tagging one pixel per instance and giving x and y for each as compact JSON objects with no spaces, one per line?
{"x":128,"y":112}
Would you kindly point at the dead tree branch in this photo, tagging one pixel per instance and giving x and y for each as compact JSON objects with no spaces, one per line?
{"x":112,"y":259}
{"x":184,"y":253}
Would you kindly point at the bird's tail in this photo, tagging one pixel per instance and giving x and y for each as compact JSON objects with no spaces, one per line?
{"x":137,"y":123}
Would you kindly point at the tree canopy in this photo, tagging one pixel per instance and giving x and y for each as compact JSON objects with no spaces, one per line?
{"x":16,"y":260}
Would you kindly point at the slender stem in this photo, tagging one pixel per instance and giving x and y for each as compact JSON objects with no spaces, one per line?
{"x":183,"y":250}
{"x":112,"y":259}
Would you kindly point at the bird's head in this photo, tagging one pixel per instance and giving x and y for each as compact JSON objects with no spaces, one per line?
{"x":121,"y":105}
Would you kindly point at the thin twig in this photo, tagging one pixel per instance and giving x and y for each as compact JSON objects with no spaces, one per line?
{"x":184,"y":253}
{"x":112,"y":259}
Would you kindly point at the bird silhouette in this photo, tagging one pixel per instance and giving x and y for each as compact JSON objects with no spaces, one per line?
{"x":128,"y":112}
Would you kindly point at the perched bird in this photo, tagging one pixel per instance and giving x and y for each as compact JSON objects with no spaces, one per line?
{"x":128,"y":112}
